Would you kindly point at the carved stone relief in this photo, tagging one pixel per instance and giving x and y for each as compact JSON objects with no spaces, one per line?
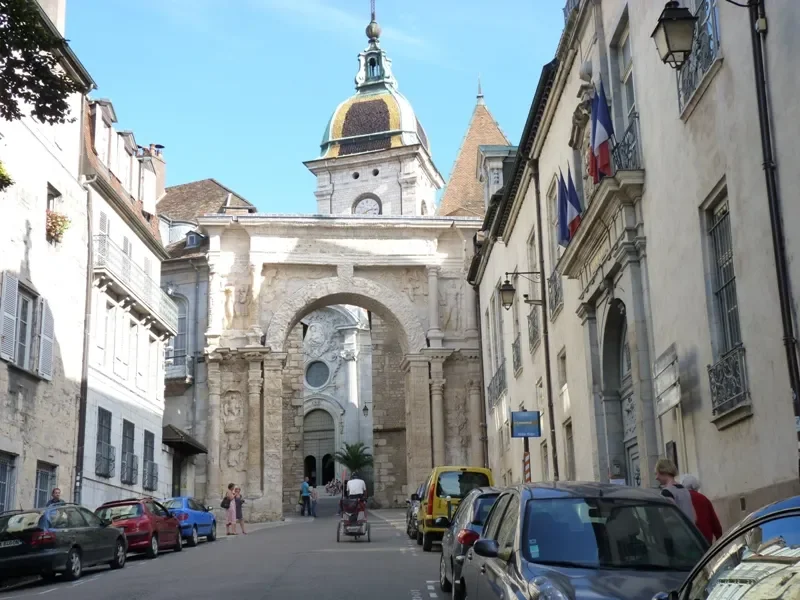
{"x":232,"y":412}
{"x":450,"y":304}
{"x":629,"y":417}
{"x":235,"y":450}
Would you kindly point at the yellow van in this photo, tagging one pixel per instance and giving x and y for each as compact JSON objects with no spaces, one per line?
{"x":442,"y":492}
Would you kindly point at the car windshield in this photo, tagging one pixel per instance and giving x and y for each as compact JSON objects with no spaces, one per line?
{"x":173,"y":503}
{"x":122,"y":511}
{"x":610,"y":533}
{"x":21,"y":521}
{"x":482,"y":507}
{"x":457,"y":484}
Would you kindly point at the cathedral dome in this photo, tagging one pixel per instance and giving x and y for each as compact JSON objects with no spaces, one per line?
{"x":377,"y":117}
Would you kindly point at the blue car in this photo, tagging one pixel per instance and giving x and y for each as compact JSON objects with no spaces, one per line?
{"x":196,"y":520}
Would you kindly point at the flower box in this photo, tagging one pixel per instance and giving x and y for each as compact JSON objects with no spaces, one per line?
{"x":57,"y":224}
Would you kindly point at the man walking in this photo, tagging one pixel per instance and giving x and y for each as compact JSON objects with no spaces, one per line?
{"x":666,"y":472}
{"x":55,"y":497}
{"x":305,"y":496}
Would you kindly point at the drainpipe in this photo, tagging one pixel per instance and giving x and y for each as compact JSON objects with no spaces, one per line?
{"x":484,"y":424}
{"x":758,"y":32}
{"x":534,"y":164}
{"x":87,"y":329}
{"x":195,"y":349}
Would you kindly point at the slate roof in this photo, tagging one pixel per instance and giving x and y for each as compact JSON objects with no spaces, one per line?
{"x":463,"y":196}
{"x":178,"y":250}
{"x":188,"y":201}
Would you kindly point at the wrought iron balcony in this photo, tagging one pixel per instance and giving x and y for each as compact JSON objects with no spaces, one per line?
{"x":130,"y":468}
{"x":105,"y":460}
{"x":626,"y":153}
{"x":728,"y":381}
{"x":498,"y":385}
{"x":179,"y":366}
{"x":534,"y":328}
{"x":705,"y":50}
{"x":555,"y":293}
{"x":111,"y":261}
{"x":150,"y":477}
{"x":516,"y":353}
{"x":570,"y":6}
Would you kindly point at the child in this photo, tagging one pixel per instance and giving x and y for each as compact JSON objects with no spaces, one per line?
{"x":239,"y":516}
{"x":314,"y":498}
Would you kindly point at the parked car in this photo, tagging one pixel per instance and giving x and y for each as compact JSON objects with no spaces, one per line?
{"x":411,"y":512}
{"x":65,"y":538}
{"x":464,"y":530}
{"x":574,"y":541}
{"x":442,"y":492}
{"x":147,"y":524}
{"x":195,"y":519}
{"x":758,"y":558}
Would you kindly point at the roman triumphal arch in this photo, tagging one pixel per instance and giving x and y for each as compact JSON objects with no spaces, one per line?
{"x":401,"y":374}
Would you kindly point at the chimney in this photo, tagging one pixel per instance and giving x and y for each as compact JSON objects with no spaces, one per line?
{"x":57,"y":11}
{"x":156,"y":151}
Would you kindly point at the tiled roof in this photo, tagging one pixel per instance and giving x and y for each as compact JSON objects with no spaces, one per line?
{"x":188,"y":201}
{"x":178,"y":250}
{"x":463,"y":195}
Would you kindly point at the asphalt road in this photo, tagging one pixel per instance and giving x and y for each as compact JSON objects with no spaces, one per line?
{"x":298,"y":559}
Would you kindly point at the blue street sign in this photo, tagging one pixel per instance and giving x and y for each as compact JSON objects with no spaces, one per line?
{"x":526,"y":424}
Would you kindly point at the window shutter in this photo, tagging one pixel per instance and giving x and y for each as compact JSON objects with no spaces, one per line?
{"x":46,"y":337}
{"x":8,"y":309}
{"x":148,"y":266}
{"x":103,"y":223}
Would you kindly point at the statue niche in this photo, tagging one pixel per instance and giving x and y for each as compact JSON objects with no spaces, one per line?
{"x":449,"y":305}
{"x":232,"y":409}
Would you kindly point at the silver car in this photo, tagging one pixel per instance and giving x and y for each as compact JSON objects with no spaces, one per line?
{"x":574,"y":541}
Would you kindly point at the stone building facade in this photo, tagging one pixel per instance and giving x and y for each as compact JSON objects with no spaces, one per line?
{"x":43,"y":296}
{"x":662,"y":310}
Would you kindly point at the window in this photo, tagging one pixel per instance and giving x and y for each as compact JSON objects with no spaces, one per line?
{"x":495,"y":518}
{"x":508,"y":528}
{"x":497,"y":317}
{"x":317,"y":374}
{"x":142,"y":357}
{"x":540,"y":403}
{"x":53,"y":205}
{"x":532,"y":265}
{"x":7,"y":482}
{"x":106,"y":453}
{"x":516,"y":348}
{"x":104,"y":224}
{"x":705,"y":49}
{"x":729,"y":334}
{"x":127,"y":250}
{"x":45,"y":482}
{"x":625,"y":72}
{"x":154,"y":363}
{"x":177,"y":349}
{"x":150,"y":478}
{"x":133,"y":347}
{"x":457,"y":484}
{"x":569,"y":448}
{"x":545,"y":463}
{"x":130,"y":462}
{"x":489,"y":343}
{"x":556,"y":249}
{"x":20,"y":344}
{"x":562,"y":369}
{"x":91,"y":519}
{"x":148,"y":267}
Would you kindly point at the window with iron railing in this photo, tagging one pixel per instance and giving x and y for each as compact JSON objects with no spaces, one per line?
{"x":705,"y":50}
{"x":150,"y":468}
{"x":130,"y":462}
{"x":497,"y":385}
{"x":555,"y":293}
{"x":106,"y":453}
{"x":7,"y":481}
{"x":516,"y":354}
{"x":534,"y":328}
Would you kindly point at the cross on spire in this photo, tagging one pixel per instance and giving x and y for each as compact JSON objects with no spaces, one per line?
{"x":372,"y":8}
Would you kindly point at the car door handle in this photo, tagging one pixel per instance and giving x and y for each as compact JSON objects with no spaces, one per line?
{"x":483,"y":569}
{"x":469,"y":555}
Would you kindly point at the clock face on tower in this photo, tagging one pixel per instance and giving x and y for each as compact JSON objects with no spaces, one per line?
{"x":367,"y":206}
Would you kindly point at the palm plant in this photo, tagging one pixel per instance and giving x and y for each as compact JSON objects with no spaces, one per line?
{"x":354,"y":457}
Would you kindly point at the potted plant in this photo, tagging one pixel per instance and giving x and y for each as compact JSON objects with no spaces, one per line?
{"x":57,"y":224}
{"x":5,"y":178}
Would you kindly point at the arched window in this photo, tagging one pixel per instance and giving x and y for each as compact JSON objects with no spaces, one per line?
{"x":177,"y":349}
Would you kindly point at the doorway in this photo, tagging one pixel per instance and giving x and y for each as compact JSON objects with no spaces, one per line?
{"x":319,"y":441}
{"x":310,"y":470}
{"x":328,"y":469}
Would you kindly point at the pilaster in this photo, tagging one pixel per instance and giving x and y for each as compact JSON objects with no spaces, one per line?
{"x":435,"y":334}
{"x":418,"y":422}
{"x":273,"y":434}
{"x":587,"y":314}
{"x":255,"y":358}
{"x":214,"y":399}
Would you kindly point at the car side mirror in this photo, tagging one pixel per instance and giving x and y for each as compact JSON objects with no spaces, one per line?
{"x":486,"y":548}
{"x":105,"y":522}
{"x":414,"y":497}
{"x":442,"y":522}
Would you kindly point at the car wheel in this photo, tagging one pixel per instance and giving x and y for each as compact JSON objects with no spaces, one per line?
{"x":213,"y":535}
{"x":74,"y":565}
{"x":120,"y":555}
{"x":459,"y":593}
{"x":178,"y":541}
{"x":419,"y":538}
{"x":444,"y":582}
{"x":427,"y":542}
{"x":152,"y":550}
{"x":192,"y":541}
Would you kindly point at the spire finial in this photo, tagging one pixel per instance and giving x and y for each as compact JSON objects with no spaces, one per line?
{"x":372,"y":9}
{"x":480,"y":91}
{"x":373,"y":29}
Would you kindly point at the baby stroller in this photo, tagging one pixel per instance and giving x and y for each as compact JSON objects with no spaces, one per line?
{"x":354,"y":519}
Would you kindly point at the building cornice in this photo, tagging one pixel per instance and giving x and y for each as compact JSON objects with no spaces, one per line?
{"x":341,"y":221}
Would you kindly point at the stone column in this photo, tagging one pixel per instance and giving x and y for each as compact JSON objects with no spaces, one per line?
{"x":437,"y":409}
{"x":213,"y":488}
{"x":600,"y":468}
{"x":273,"y":435}
{"x":470,"y":322}
{"x":255,"y":486}
{"x":216,"y":305}
{"x":476,"y":418}
{"x":434,"y":331}
{"x":418,"y":421}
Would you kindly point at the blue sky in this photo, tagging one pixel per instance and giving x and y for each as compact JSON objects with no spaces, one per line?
{"x":241,"y":90}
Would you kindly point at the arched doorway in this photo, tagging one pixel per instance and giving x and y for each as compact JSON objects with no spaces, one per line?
{"x":319,"y":440}
{"x":310,"y":469}
{"x":328,"y":469}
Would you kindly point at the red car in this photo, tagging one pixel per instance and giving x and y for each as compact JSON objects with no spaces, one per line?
{"x":148,"y":526}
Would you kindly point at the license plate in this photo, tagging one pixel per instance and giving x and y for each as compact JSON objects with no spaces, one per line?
{"x":10,"y":543}
{"x":353,"y":529}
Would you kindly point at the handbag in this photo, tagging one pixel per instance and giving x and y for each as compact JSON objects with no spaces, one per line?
{"x":226,"y":503}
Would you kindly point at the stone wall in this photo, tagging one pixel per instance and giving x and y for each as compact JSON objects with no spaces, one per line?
{"x":389,"y":415}
{"x":293,"y":390}
{"x":456,"y":423}
{"x":234,"y":416}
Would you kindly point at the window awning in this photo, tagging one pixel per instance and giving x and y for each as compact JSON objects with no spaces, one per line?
{"x":181,"y":441}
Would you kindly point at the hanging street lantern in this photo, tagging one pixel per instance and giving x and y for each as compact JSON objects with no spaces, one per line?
{"x":365,"y":411}
{"x":674,"y":34}
{"x":507,"y":294}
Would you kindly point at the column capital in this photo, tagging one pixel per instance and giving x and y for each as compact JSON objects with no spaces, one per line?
{"x":254,"y":355}
{"x":586,"y":311}
{"x":434,"y":270}
{"x":474,"y":385}
{"x":275,"y":361}
{"x":414,"y":360}
{"x":437,"y":385}
{"x":438,"y":354}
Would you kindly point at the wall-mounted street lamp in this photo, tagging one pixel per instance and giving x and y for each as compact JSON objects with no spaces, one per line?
{"x":508,"y":292}
{"x":674,"y":34}
{"x":365,"y":410}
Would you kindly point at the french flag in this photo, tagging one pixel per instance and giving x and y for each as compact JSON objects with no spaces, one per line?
{"x":602,"y":132}
{"x":563,"y":211}
{"x":574,"y":209}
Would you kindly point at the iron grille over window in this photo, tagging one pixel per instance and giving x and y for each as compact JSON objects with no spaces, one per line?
{"x":130,"y":468}
{"x":150,"y":478}
{"x":626,"y":152}
{"x":728,"y":381}
{"x":45,"y":482}
{"x":516,"y":353}
{"x":555,"y":293}
{"x":105,"y":460}
{"x":705,"y":50}
{"x":534,"y":328}
{"x":6,"y":482}
{"x":497,"y":385}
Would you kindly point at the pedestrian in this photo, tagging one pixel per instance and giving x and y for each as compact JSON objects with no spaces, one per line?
{"x":314,"y":498}
{"x":55,"y":497}
{"x":305,"y":496}
{"x":229,"y":505}
{"x":706,"y":517}
{"x":666,"y":472}
{"x":238,"y":500}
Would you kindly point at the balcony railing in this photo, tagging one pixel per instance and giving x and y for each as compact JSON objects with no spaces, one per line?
{"x":534,"y":328}
{"x":498,"y":385}
{"x":516,"y":353}
{"x":555,"y":293}
{"x":110,"y":258}
{"x":728,"y":381}
{"x":627,"y":152}
{"x":569,"y":7}
{"x":105,"y":460}
{"x":130,"y":468}
{"x":705,"y":50}
{"x":179,"y":366}
{"x":150,"y":477}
